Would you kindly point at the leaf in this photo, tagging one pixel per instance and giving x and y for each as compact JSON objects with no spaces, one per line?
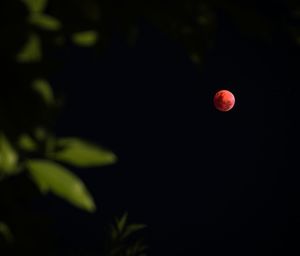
{"x":45,"y":22}
{"x":122,"y":222}
{"x":85,"y":39}
{"x":26,"y":143}
{"x":136,"y":249}
{"x":36,"y":6}
{"x":8,"y":156}
{"x":131,"y":229}
{"x":43,"y":88}
{"x":40,"y":133}
{"x":83,"y":154}
{"x":52,"y":177}
{"x":50,"y":144}
{"x":116,"y":250}
{"x":31,"y":51}
{"x":114,"y":232}
{"x":6,"y":232}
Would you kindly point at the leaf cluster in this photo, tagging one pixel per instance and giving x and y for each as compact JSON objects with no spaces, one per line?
{"x":123,"y":240}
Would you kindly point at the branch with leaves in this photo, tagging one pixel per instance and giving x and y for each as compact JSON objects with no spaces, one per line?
{"x":123,"y":240}
{"x":29,"y":106}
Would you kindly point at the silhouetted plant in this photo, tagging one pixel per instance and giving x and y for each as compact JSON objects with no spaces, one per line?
{"x":123,"y":240}
{"x":28,"y":109}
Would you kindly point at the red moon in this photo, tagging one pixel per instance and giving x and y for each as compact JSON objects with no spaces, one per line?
{"x":224,"y":100}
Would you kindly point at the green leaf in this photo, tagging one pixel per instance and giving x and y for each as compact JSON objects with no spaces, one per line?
{"x":82,"y":154}
{"x":52,"y":177}
{"x":8,"y":156}
{"x":50,"y":145}
{"x":131,"y":229}
{"x":26,"y":143}
{"x":36,"y":6}
{"x":139,"y":247}
{"x":31,"y":51}
{"x":40,"y":133}
{"x":114,"y":232}
{"x":43,"y":88}
{"x":6,"y":232}
{"x":136,"y":249}
{"x":121,"y":223}
{"x":85,"y":39}
{"x":45,"y":22}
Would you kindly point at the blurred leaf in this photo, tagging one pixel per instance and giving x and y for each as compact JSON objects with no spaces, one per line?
{"x":136,"y":249}
{"x":114,"y":232}
{"x":44,"y":21}
{"x":121,"y":243}
{"x":116,"y":251}
{"x":40,"y":133}
{"x":6,"y":232}
{"x":83,"y":154}
{"x":26,"y":143}
{"x":195,"y":57}
{"x":50,"y":144}
{"x":85,"y":39}
{"x":121,"y":223}
{"x":31,"y":51}
{"x":43,"y":88}
{"x":8,"y":156}
{"x":36,"y":6}
{"x":91,"y":10}
{"x":50,"y":176}
{"x":131,"y":229}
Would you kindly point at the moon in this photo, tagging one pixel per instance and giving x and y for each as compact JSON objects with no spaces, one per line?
{"x":224,"y":100}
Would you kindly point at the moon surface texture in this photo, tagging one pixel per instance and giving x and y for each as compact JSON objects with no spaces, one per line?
{"x":224,"y":100}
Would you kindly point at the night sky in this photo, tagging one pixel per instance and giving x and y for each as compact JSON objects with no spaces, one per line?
{"x":205,"y":182}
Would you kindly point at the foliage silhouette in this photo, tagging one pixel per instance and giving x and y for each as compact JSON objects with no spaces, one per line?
{"x":122,"y":239}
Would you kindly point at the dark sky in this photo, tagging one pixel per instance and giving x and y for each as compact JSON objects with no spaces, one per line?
{"x":205,"y":182}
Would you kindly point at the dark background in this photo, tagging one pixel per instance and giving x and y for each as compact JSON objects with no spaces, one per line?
{"x":205,"y":182}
